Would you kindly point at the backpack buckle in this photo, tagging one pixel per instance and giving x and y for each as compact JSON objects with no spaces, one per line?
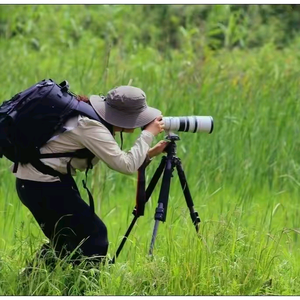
{"x":64,"y":86}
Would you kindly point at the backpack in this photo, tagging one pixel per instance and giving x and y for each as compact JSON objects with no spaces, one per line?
{"x":30,"y":118}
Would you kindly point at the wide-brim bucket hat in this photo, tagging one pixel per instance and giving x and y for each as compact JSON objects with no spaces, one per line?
{"x":125,"y":107}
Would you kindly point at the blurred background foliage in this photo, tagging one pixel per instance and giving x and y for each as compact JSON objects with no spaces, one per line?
{"x":238,"y":63}
{"x":163,"y":27}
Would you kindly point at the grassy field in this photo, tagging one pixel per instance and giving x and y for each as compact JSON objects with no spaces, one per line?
{"x":243,"y":177}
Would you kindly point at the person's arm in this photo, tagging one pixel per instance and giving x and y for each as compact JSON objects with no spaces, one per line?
{"x":100,"y":142}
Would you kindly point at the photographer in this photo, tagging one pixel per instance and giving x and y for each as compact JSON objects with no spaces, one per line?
{"x":56,"y":204}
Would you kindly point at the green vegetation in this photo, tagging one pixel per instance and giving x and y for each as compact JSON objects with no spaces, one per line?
{"x":237,"y":63}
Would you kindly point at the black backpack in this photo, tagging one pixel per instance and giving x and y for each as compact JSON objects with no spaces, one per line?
{"x":30,"y":118}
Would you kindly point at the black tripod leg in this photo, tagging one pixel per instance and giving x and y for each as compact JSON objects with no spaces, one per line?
{"x":186,"y":191}
{"x":161,"y":210}
{"x":155,"y":177}
{"x":149,"y":191}
{"x":124,"y":240}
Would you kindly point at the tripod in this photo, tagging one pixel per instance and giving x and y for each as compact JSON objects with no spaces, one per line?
{"x":166,"y":166}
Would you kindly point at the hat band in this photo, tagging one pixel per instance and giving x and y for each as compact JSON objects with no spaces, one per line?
{"x":129,"y":109}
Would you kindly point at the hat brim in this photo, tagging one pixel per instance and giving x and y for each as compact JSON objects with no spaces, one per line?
{"x":123,"y":119}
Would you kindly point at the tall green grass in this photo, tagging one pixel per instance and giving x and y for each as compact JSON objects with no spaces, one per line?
{"x":243,"y":177}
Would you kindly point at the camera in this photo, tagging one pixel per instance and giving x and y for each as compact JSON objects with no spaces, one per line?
{"x":189,"y":124}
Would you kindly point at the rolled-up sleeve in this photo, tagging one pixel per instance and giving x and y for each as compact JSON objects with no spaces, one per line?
{"x":96,"y":137}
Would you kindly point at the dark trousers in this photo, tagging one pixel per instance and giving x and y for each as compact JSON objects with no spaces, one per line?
{"x":64,"y":217}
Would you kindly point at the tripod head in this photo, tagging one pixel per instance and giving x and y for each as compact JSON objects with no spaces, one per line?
{"x":172,"y":137}
{"x":171,"y":148}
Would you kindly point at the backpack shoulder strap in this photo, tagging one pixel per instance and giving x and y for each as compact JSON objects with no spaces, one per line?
{"x":88,"y":111}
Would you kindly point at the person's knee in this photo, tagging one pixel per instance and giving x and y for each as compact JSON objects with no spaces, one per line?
{"x":97,"y":243}
{"x":89,"y":237}
{"x":95,"y":246}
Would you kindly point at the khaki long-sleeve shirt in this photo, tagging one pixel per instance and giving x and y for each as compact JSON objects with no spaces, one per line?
{"x":82,"y":132}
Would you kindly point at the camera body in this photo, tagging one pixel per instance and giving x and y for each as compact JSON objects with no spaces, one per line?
{"x":189,"y":124}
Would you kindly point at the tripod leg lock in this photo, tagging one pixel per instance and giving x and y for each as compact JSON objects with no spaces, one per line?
{"x":159,"y":214}
{"x":195,"y":218}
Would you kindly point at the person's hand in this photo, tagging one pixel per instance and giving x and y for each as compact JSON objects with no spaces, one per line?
{"x":156,"y":126}
{"x":158,"y":148}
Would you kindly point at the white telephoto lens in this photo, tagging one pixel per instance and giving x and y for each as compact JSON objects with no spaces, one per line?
{"x":189,"y":124}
